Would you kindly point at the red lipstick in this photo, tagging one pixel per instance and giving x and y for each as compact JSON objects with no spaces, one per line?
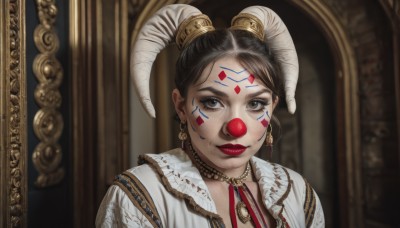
{"x":232,"y":149}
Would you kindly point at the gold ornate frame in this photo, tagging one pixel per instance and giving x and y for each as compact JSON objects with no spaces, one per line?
{"x":13,"y":165}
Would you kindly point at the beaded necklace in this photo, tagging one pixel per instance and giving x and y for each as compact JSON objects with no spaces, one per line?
{"x":247,"y":207}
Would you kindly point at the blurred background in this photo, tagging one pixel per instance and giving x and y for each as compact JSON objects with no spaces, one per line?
{"x":71,"y":119}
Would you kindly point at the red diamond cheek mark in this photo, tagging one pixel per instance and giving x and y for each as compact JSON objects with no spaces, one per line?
{"x":199,"y":120}
{"x":237,"y":89}
{"x":222,"y":75}
{"x":251,"y":78}
{"x":264,"y":122}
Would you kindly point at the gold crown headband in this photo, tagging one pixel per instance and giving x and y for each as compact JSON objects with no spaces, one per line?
{"x":198,"y":25}
{"x":248,"y":22}
{"x":191,"y":28}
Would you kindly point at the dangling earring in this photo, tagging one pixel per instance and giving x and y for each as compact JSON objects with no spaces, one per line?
{"x":269,"y":140}
{"x":182,"y":134}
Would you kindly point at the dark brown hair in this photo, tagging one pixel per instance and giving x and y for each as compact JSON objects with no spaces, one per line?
{"x":252,"y":53}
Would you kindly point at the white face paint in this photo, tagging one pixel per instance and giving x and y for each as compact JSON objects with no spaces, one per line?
{"x":225,"y":91}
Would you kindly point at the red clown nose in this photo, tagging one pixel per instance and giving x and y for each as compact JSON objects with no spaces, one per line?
{"x":236,"y":127}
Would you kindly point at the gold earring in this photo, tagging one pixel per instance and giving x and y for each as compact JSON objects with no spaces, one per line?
{"x":182,"y":134}
{"x":269,"y":140}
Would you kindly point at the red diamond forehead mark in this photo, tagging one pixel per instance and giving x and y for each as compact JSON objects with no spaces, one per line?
{"x":222,"y":75}
{"x":237,"y":89}
{"x":199,"y":120}
{"x":251,"y":78}
{"x":264,"y":122}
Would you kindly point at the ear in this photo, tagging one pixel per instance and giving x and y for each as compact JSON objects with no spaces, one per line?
{"x":179,"y":104}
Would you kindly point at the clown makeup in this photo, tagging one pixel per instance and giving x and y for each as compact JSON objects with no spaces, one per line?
{"x":227,"y":112}
{"x":242,"y":78}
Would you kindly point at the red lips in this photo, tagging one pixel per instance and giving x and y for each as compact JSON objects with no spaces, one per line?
{"x":232,"y":149}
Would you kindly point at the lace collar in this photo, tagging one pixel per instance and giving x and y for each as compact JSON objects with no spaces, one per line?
{"x":183,"y":179}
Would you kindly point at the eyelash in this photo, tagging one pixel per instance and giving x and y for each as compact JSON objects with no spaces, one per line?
{"x":205,"y":103}
{"x":262,"y":104}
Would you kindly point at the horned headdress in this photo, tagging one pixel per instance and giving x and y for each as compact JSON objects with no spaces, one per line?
{"x":184,"y":23}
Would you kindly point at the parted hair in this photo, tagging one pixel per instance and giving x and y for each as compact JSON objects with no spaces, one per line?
{"x":252,"y":53}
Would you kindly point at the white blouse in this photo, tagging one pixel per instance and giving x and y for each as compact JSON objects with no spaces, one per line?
{"x":168,"y":191}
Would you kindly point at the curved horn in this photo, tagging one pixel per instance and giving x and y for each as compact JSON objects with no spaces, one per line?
{"x":153,"y":37}
{"x":279,"y":40}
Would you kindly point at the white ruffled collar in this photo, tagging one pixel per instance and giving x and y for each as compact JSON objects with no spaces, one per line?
{"x":182,"y":178}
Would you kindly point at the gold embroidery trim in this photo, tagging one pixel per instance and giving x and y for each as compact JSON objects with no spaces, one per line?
{"x":146,"y":159}
{"x":309,"y":204}
{"x":140,"y":197}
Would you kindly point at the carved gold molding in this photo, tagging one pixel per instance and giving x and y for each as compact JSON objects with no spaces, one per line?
{"x":48,"y":122}
{"x":13,"y":115}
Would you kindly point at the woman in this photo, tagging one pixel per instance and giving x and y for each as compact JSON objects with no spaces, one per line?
{"x":227,"y":86}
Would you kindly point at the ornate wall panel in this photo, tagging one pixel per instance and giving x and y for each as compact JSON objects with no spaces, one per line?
{"x":13,"y":152}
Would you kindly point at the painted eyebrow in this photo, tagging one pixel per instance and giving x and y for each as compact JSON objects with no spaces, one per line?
{"x":222,"y":94}
{"x":266,"y":90}
{"x":213,"y":90}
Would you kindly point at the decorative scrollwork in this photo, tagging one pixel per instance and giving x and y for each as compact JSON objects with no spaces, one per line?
{"x":48,"y":122}
{"x":48,"y":70}
{"x":46,"y":159}
{"x":48,"y":125}
{"x":46,"y":96}
{"x":46,"y":40}
{"x":47,"y":12}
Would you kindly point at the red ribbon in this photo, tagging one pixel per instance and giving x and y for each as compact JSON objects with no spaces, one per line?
{"x":232,"y":206}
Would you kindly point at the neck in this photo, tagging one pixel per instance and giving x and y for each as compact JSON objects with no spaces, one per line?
{"x":235,"y":176}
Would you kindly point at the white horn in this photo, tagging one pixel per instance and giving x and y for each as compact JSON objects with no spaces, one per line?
{"x":154,"y":36}
{"x":279,"y":40}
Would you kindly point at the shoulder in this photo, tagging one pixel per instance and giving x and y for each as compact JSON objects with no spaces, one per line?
{"x":288,"y":179}
{"x":130,"y":201}
{"x":118,"y":210}
{"x":297,"y":180}
{"x":311,"y":205}
{"x":287,"y":190}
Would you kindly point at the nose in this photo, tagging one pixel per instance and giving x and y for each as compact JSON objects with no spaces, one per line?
{"x":236,"y":127}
